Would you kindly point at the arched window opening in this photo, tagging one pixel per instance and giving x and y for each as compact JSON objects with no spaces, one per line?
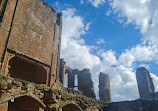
{"x":26,"y":70}
{"x":66,"y":80}
{"x":24,"y":103}
{"x":76,"y":82}
{"x":71,"y":107}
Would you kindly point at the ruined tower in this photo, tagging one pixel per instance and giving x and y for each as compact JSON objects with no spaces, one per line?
{"x":30,"y":37}
{"x":145,"y":83}
{"x":104,"y":87}
{"x":71,"y":78}
{"x":85,"y":83}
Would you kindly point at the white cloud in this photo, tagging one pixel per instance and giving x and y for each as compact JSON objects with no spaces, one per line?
{"x":100,"y":41}
{"x":142,"y":13}
{"x":77,"y":55}
{"x":96,"y":3}
{"x":147,"y":66}
{"x":73,"y":49}
{"x":135,"y":11}
{"x":81,"y":1}
{"x":87,"y":26}
{"x":155,"y":80}
{"x":109,"y":58}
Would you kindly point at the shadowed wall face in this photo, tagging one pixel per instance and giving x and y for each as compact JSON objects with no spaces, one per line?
{"x":62,"y":72}
{"x":32,"y":29}
{"x":24,"y":104}
{"x":70,"y":107}
{"x":85,"y":83}
{"x":71,"y":78}
{"x":104,"y":87}
{"x":135,"y":105}
{"x":22,"y":69}
{"x":145,"y":83}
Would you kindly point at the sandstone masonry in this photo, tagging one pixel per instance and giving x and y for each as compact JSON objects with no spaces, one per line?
{"x":145,"y":83}
{"x":104,"y":87}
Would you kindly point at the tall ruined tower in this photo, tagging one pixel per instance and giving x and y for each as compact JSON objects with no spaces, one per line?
{"x":145,"y":83}
{"x":30,"y":37}
{"x":85,"y":83}
{"x":104,"y":87}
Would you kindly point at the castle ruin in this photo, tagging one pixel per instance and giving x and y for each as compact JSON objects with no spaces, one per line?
{"x":32,"y":75}
{"x":104,"y":87}
{"x":145,"y":83}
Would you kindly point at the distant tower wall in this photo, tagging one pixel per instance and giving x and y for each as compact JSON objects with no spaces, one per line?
{"x":71,"y":78}
{"x":85,"y":83}
{"x":62,"y":72}
{"x":104,"y":87}
{"x":145,"y":83}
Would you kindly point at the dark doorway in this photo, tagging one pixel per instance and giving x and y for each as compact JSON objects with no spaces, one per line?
{"x":26,"y":70}
{"x":24,"y":104}
{"x":70,"y":107}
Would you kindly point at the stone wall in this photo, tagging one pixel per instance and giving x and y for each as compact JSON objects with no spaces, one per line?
{"x":85,"y":83}
{"x":145,"y":83}
{"x":62,"y":72}
{"x":136,"y":105}
{"x":30,"y":29}
{"x":32,"y":97}
{"x":104,"y":87}
{"x":71,"y":78}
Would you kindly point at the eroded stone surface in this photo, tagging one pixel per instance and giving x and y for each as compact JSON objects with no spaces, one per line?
{"x":104,"y":87}
{"x":46,"y":97}
{"x":62,"y":71}
{"x":145,"y":83}
{"x":31,"y":30}
{"x":85,"y":83}
{"x":136,"y":105}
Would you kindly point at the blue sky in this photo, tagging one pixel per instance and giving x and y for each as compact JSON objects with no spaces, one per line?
{"x":102,"y":26}
{"x":111,"y":36}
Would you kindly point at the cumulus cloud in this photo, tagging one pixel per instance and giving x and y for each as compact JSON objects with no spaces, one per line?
{"x":100,"y":41}
{"x":81,"y":1}
{"x":77,"y":55}
{"x":144,"y":15}
{"x":96,"y":3}
{"x":73,"y":48}
{"x":155,"y":80}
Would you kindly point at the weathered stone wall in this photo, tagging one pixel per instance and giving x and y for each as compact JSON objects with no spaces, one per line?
{"x":71,"y":78}
{"x":31,"y":29}
{"x":85,"y":83}
{"x":62,"y":72}
{"x":136,"y":105}
{"x":145,"y":83}
{"x":6,"y":16}
{"x":104,"y":87}
{"x":30,"y":97}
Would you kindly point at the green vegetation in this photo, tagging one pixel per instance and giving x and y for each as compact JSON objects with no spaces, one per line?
{"x":8,"y":83}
